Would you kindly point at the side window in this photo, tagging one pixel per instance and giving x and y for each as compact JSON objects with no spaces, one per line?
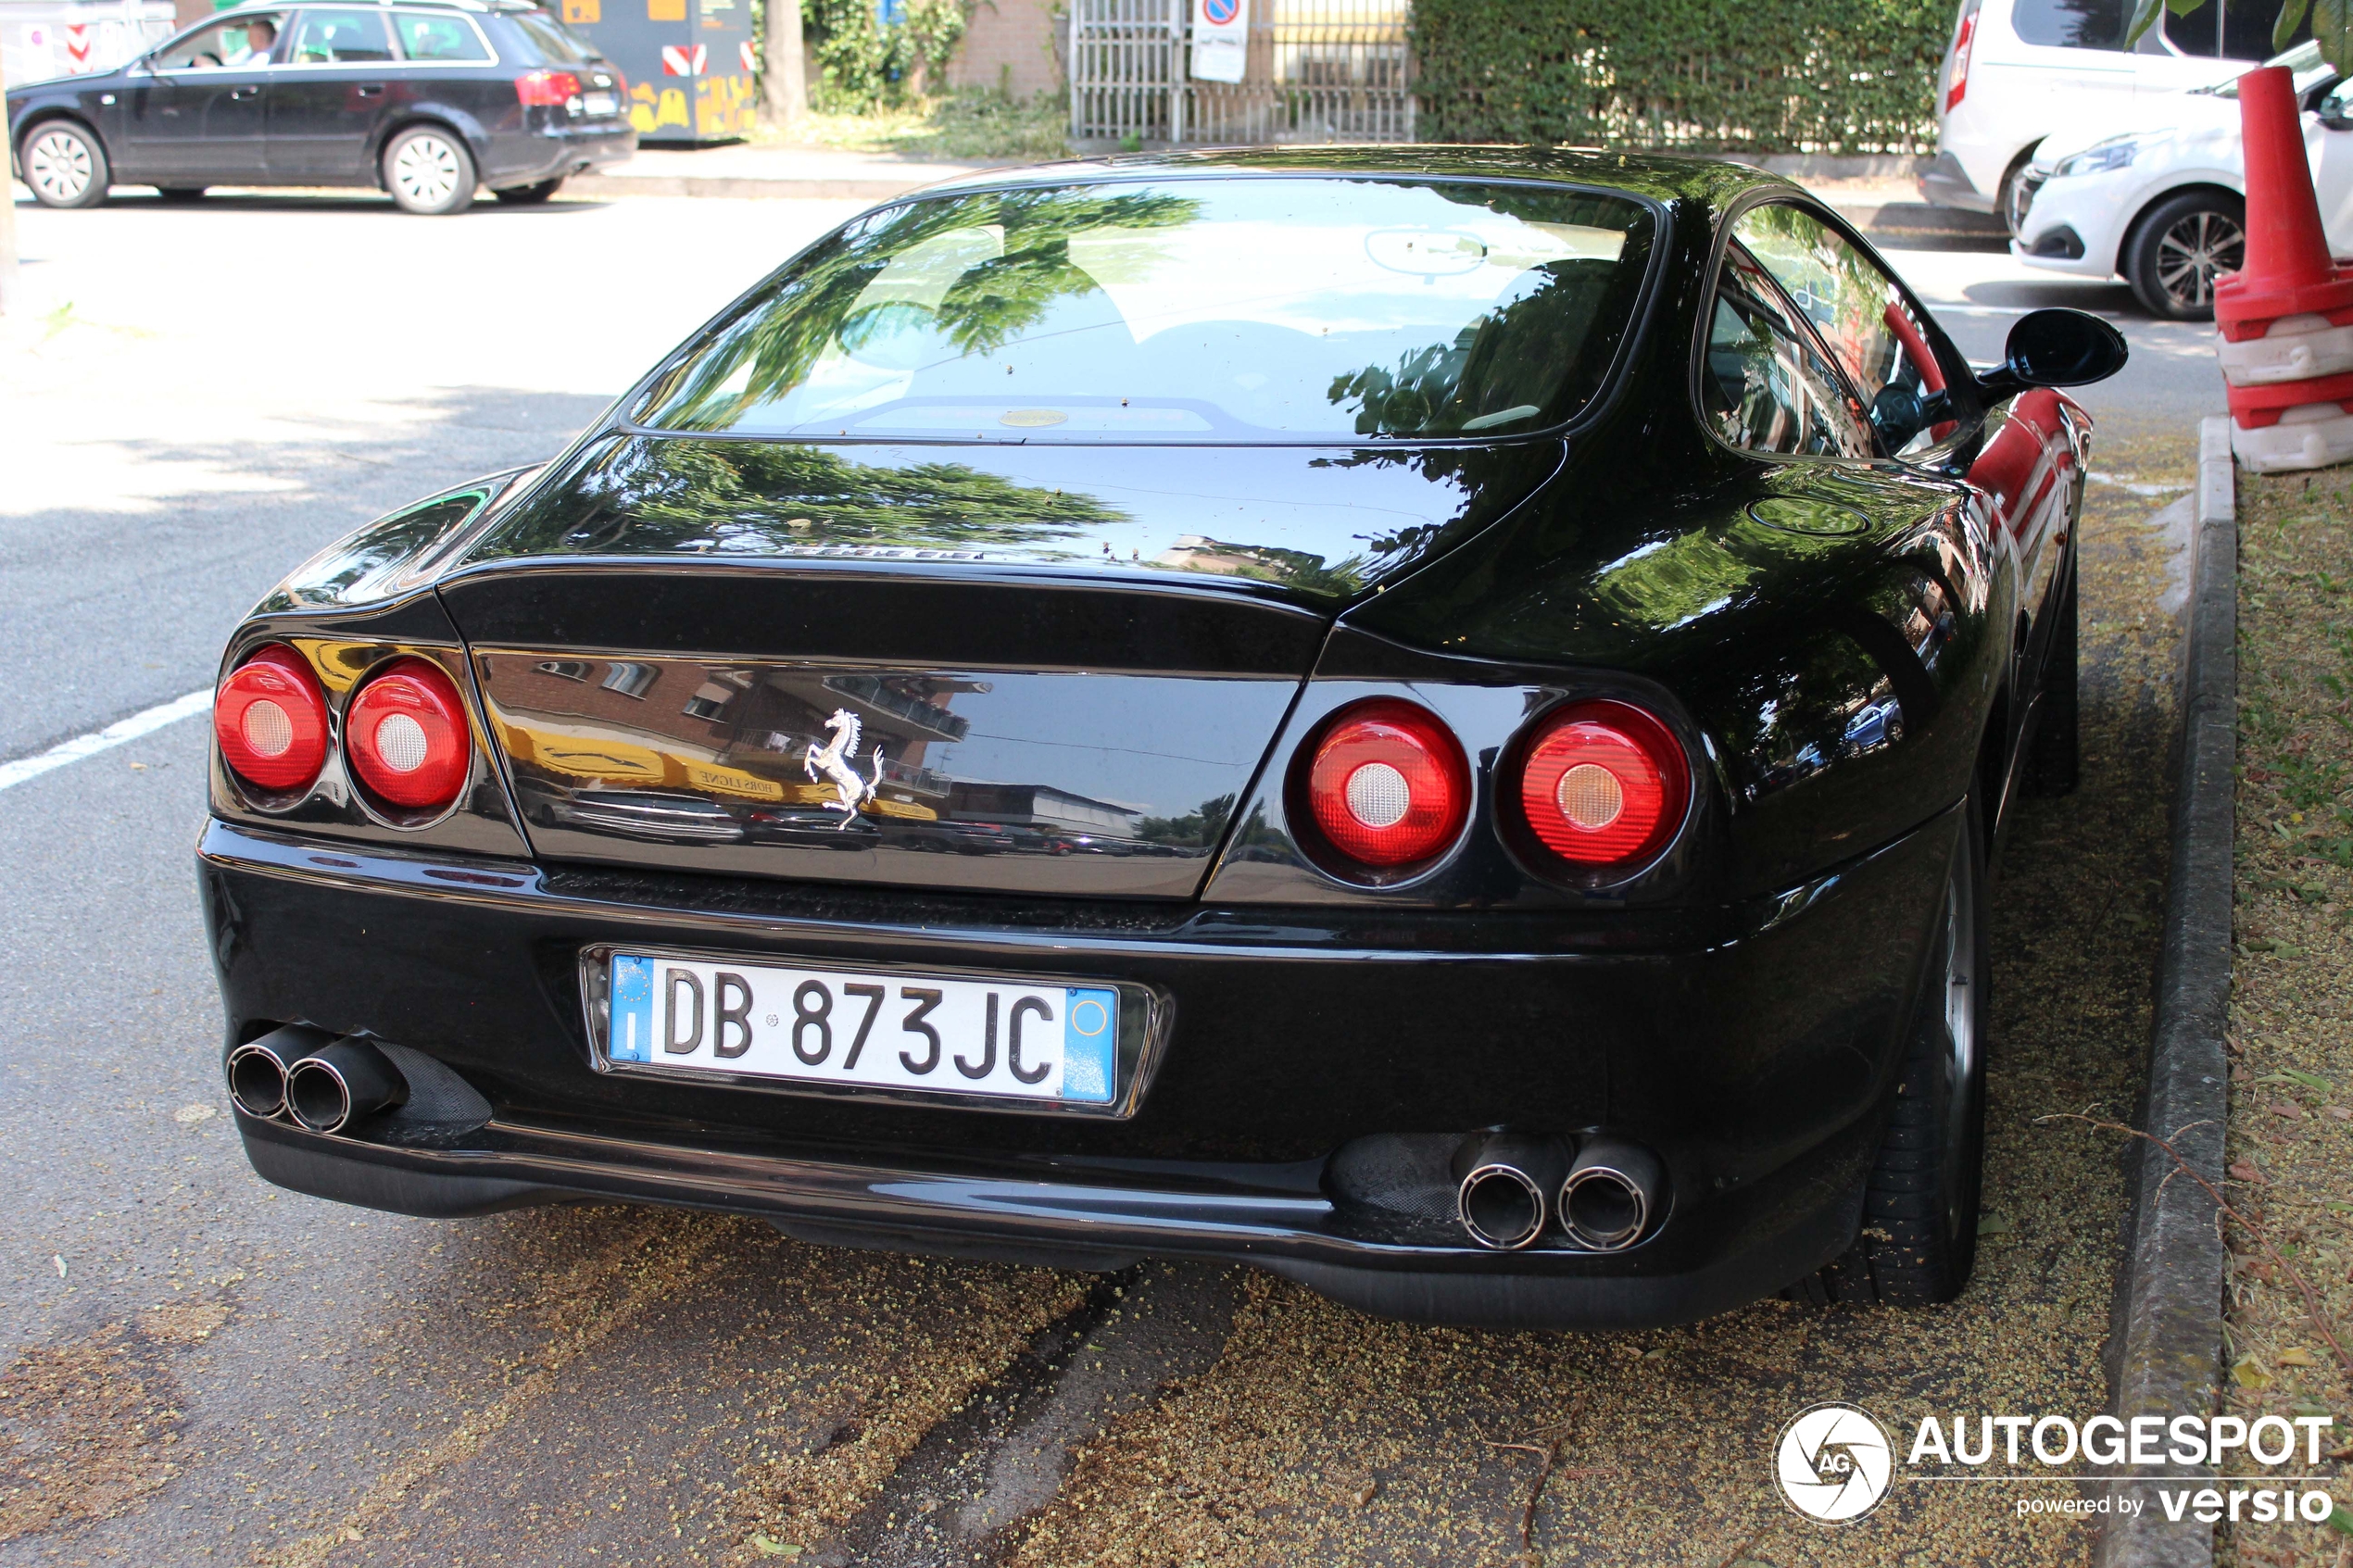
{"x":1872,"y":331}
{"x":2072,"y":24}
{"x":426,"y":36}
{"x":224,"y":45}
{"x":1764,"y":385}
{"x":335,"y":38}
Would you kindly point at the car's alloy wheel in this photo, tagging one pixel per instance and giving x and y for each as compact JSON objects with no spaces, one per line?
{"x":2181,"y":249}
{"x":64,"y":166}
{"x":429,"y":171}
{"x":1921,"y":1207}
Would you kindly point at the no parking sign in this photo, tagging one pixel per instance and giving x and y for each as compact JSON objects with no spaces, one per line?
{"x":1221,"y":39}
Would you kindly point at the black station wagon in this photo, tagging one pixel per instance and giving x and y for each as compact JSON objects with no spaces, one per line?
{"x":1431,"y":719}
{"x":429,"y":100}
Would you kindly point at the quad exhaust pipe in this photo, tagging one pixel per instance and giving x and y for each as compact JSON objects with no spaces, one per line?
{"x":1512,"y":1185}
{"x":321,"y":1082}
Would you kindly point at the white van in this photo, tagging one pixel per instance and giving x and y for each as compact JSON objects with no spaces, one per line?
{"x":2019,"y":70}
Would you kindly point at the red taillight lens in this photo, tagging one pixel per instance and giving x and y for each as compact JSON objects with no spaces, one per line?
{"x":1603,"y":783}
{"x":547,"y":89}
{"x":406,"y":733}
{"x":1957,"y":87}
{"x":271,"y":720}
{"x":1388,"y":785}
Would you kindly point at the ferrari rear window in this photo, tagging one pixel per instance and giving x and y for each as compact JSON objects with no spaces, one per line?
{"x":1199,"y":309}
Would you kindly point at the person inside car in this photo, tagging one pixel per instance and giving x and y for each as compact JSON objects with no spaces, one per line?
{"x":261,"y":37}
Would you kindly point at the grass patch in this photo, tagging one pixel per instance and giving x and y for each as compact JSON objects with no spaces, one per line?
{"x":972,"y":123}
{"x":2291,"y":1030}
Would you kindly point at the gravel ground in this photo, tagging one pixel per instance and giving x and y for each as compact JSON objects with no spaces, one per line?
{"x":2291,"y":1040}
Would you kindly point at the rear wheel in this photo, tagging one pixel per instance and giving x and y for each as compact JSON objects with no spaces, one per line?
{"x":2180,"y":247}
{"x":2052,"y":757}
{"x":64,"y":164}
{"x":529,"y":195}
{"x":1920,"y":1213}
{"x":429,"y":170}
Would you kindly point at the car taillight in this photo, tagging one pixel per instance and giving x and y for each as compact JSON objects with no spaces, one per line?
{"x":547,"y":89}
{"x":406,"y":733}
{"x":1602,"y":783}
{"x":1388,"y":783}
{"x":1957,"y":86}
{"x":271,"y":720}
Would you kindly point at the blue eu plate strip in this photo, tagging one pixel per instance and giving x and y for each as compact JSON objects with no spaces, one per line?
{"x":631,"y":1037}
{"x":1090,"y":1044}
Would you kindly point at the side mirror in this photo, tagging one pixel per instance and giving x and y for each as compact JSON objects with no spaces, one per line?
{"x":2055,"y":347}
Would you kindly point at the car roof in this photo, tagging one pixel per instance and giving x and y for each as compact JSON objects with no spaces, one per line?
{"x":1659,"y":176}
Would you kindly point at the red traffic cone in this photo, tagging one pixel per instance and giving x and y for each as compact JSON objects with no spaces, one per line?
{"x":2288,"y":269}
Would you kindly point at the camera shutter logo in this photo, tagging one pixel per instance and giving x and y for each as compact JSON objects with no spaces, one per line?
{"x":1833,"y":1462}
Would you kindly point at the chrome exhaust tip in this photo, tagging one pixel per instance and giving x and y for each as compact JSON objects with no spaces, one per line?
{"x":1503,"y":1193}
{"x":258,"y":1069}
{"x":329,"y":1089}
{"x":1614,"y":1190}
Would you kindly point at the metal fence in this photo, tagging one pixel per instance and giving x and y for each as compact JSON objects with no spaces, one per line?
{"x":1318,"y":71}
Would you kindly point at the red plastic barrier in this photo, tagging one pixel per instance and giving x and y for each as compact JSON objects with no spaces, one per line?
{"x":2252,"y":407}
{"x":2288,"y":269}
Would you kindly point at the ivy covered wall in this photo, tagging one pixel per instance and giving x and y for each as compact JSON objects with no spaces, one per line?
{"x":1756,"y":75}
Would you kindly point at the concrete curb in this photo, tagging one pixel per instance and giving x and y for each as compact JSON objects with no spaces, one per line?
{"x":2167,"y":1346}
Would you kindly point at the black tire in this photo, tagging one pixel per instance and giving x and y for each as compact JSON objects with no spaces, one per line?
{"x":2178,"y":247}
{"x":64,"y":164}
{"x":181,"y":192}
{"x":2053,"y":757}
{"x":1921,"y":1208}
{"x":529,"y":195}
{"x":2005,"y":192}
{"x":428,"y":171}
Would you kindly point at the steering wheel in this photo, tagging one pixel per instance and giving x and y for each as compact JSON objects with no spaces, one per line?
{"x":210,"y":60}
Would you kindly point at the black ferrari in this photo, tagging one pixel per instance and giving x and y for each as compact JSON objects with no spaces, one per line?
{"x":1433,"y":721}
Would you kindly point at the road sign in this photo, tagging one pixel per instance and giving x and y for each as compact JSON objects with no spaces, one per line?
{"x":1221,"y":39}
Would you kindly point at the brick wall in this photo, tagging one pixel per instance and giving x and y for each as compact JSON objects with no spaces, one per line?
{"x":1012,"y":42}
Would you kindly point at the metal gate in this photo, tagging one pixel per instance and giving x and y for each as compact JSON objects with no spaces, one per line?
{"x":1318,"y":71}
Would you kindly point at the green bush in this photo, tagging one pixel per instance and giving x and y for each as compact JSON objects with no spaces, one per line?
{"x":1817,"y":76}
{"x":863,"y":66}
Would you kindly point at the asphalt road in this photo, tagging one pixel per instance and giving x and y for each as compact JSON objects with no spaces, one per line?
{"x":197,"y":1368}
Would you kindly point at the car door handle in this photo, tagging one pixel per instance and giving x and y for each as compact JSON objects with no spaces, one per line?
{"x":235,"y":93}
{"x":372,"y":90}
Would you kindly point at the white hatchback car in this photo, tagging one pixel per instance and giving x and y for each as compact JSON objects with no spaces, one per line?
{"x":2164,"y":206}
{"x":2019,"y":71}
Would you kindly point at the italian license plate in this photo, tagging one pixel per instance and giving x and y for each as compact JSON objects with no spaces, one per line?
{"x":596,"y":106}
{"x":1005,"y":1038}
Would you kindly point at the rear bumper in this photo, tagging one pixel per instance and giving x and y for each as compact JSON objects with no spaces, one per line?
{"x":1945,"y":183}
{"x":555,"y":154}
{"x":1754,"y":1050}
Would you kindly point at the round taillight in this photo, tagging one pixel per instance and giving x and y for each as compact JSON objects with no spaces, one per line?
{"x":1602,"y":783}
{"x":406,"y":732}
{"x":269,"y":718}
{"x":1388,"y":785}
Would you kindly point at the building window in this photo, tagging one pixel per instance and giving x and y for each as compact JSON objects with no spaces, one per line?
{"x":564,"y":668}
{"x":630,"y":680}
{"x":709,"y":701}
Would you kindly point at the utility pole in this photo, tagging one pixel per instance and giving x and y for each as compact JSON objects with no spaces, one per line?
{"x":9,"y":302}
{"x":787,"y":81}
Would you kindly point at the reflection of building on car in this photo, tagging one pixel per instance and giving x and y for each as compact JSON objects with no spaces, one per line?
{"x":1463,"y":772}
{"x":2016,"y":71}
{"x":429,"y":100}
{"x":2164,"y":206}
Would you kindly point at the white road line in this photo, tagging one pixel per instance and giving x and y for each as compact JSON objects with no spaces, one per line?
{"x":114,"y":734}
